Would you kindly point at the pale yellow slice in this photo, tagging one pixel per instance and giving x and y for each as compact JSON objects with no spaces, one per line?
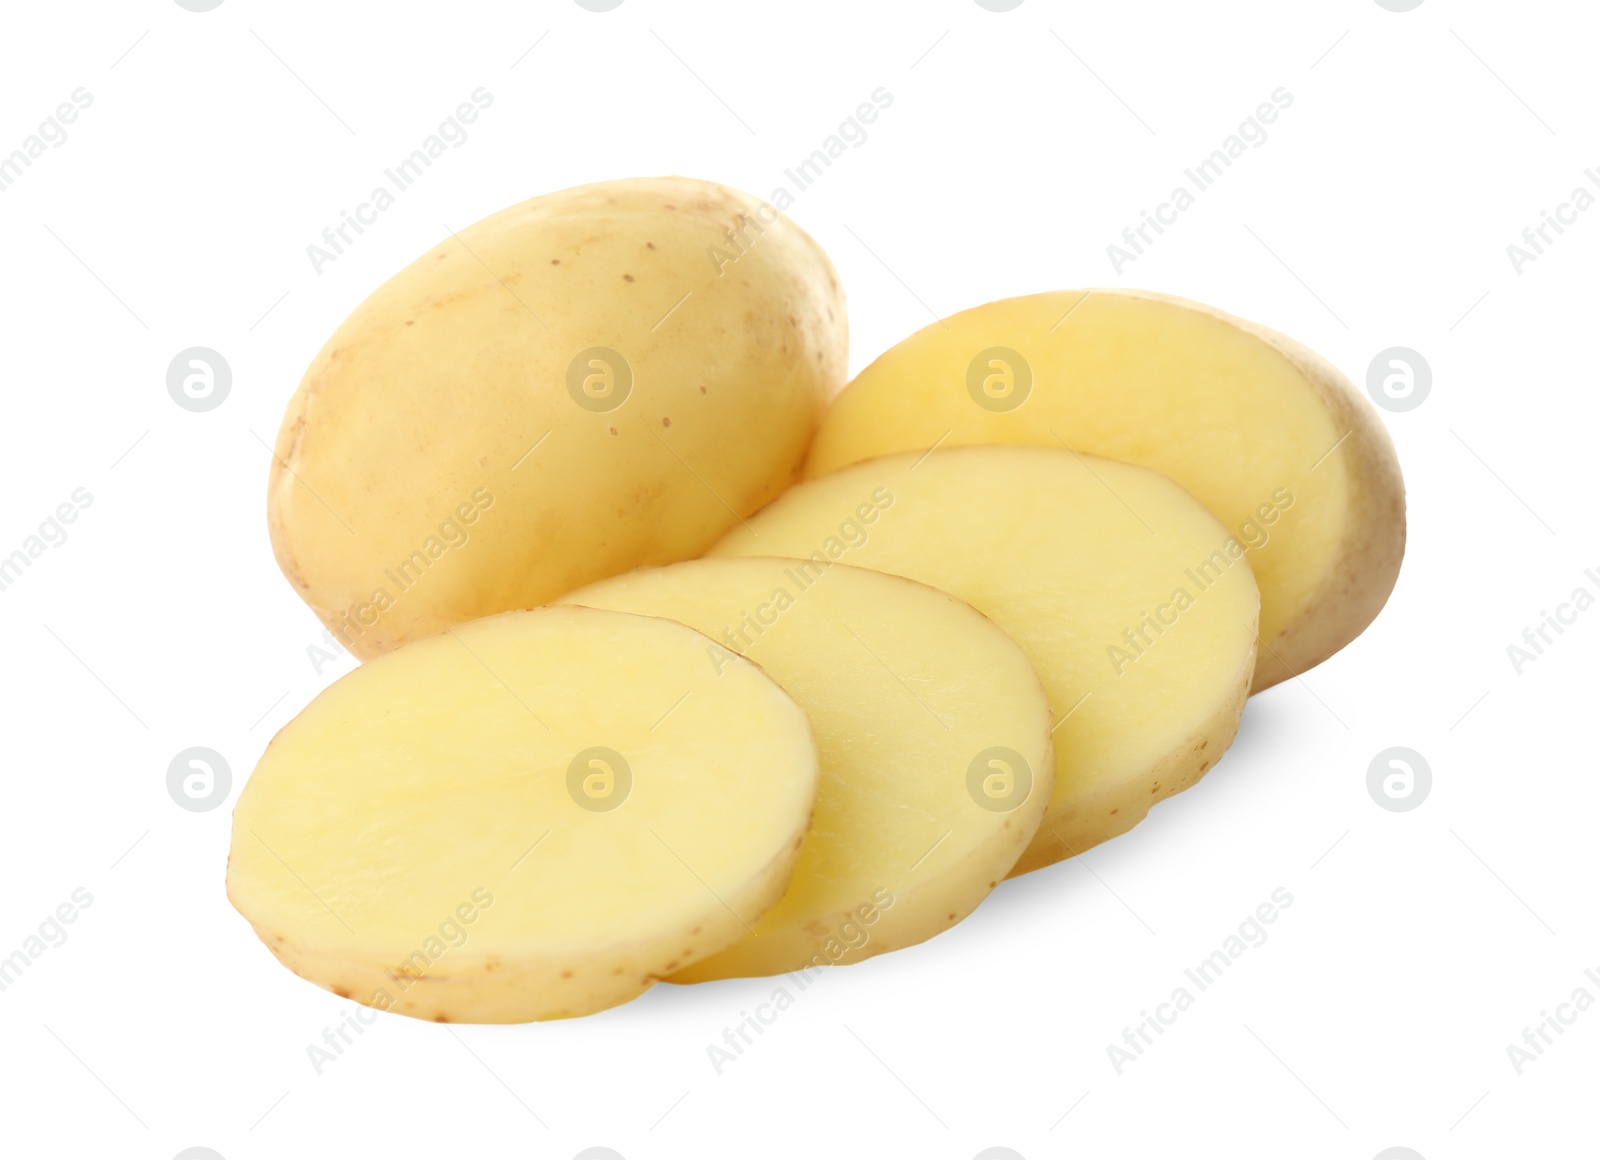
{"x":1271,"y":437}
{"x":1135,"y":605}
{"x":934,"y":736}
{"x":532,"y":816}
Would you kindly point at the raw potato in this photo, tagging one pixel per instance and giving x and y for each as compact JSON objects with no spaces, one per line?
{"x":1134,"y":604}
{"x":452,"y":451}
{"x":415,"y":840}
{"x":908,"y":690}
{"x":1268,"y":435}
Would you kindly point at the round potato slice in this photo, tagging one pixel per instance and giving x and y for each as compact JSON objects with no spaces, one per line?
{"x":933,"y":732}
{"x":1135,"y":605}
{"x":1267,"y":434}
{"x":532,"y":816}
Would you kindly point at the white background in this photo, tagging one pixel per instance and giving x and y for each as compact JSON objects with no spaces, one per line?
{"x":1018,"y":146}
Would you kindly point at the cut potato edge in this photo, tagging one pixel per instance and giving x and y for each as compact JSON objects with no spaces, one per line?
{"x":1352,"y":584}
{"x":892,"y":905}
{"x":1111,"y":814}
{"x":1121,"y":786}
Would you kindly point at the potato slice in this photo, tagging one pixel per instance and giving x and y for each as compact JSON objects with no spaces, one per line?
{"x":592,"y":380}
{"x":934,"y":736}
{"x":532,"y":816}
{"x":1267,"y":434}
{"x":1135,"y":605}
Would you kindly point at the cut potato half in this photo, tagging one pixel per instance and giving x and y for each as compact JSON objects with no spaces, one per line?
{"x":532,"y":816}
{"x":1267,"y":434}
{"x":1135,"y":605}
{"x":934,"y":736}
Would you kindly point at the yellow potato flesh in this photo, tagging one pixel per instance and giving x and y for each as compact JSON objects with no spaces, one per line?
{"x":443,"y":774}
{"x":906,"y":688}
{"x":449,"y":455}
{"x":1123,"y":591}
{"x":1271,"y":438}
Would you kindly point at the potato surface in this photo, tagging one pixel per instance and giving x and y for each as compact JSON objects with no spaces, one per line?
{"x":532,"y":816}
{"x":1268,"y":435}
{"x":595,"y":379}
{"x":1136,"y":607}
{"x":933,"y":733}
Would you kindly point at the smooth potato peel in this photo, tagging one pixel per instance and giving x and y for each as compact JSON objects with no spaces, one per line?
{"x":544,"y":399}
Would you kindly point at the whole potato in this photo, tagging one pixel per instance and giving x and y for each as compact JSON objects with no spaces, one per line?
{"x":599,"y":378}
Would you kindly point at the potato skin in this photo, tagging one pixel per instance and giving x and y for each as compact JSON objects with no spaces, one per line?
{"x":436,"y":466}
{"x":1367,"y":564}
{"x":489,"y":989}
{"x":1103,"y":816}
